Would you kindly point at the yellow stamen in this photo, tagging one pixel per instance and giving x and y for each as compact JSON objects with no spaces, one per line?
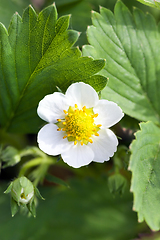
{"x":95,"y":115}
{"x":84,"y":108}
{"x":79,"y":125}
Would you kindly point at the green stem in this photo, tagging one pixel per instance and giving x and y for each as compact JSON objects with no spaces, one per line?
{"x":35,"y":162}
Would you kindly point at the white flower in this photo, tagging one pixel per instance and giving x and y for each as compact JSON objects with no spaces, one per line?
{"x":78,"y":125}
{"x":25,"y":198}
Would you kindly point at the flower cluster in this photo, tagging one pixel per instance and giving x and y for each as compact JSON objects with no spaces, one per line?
{"x":78,"y":125}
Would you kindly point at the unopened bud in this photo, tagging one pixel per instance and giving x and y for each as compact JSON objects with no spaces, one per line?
{"x":22,"y":193}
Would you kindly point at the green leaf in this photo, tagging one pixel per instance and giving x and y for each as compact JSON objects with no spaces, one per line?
{"x":56,"y":180}
{"x":9,"y":7}
{"x":36,"y":56}
{"x":63,"y":3}
{"x":131,"y":47}
{"x":144,"y":164}
{"x":151,"y":3}
{"x":80,"y":11}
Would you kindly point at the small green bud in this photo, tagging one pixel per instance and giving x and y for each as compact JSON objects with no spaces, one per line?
{"x":117,"y":183}
{"x":10,"y":156}
{"x":22,"y":190}
{"x":22,"y":194}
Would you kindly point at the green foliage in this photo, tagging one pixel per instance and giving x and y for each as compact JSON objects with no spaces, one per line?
{"x":151,"y":3}
{"x":36,"y":56}
{"x":117,"y":183}
{"x":85,"y":211}
{"x":131,"y":47}
{"x":80,"y":11}
{"x":39,"y":56}
{"x":144,"y":164}
{"x":37,"y":167}
{"x":10,"y":156}
{"x":9,"y":7}
{"x":56,"y":180}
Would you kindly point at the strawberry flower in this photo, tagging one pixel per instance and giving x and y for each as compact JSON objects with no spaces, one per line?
{"x":78,"y":125}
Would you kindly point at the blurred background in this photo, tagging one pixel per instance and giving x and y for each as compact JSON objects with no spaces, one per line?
{"x":91,"y":208}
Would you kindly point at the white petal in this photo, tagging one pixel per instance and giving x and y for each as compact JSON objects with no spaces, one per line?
{"x":51,"y":107}
{"x":109,"y":113}
{"x":51,"y":141}
{"x":104,"y":145}
{"x":78,"y":156}
{"x":27,"y":199}
{"x":82,"y":94}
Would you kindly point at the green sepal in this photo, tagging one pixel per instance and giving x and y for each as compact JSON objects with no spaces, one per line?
{"x":32,"y":208}
{"x":14,"y":207}
{"x":24,"y":182}
{"x":117,"y":183}
{"x":8,"y":190}
{"x":38,"y":194}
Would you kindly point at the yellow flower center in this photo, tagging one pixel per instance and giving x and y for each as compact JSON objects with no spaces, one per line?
{"x":79,"y":125}
{"x":23,"y":196}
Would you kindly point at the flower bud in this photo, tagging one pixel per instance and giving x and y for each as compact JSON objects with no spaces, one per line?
{"x":10,"y":156}
{"x":22,"y":190}
{"x":22,"y":194}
